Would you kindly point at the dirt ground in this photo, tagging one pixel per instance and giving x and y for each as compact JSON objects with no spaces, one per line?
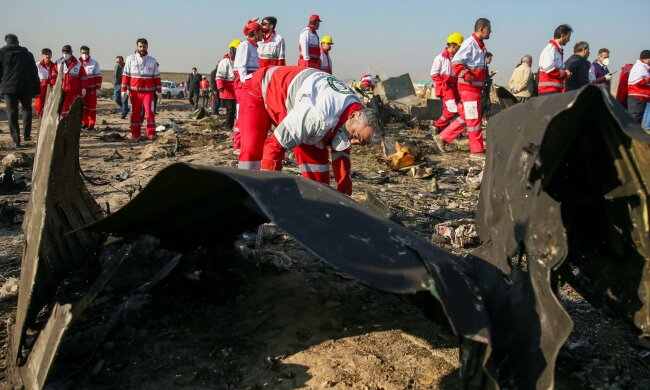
{"x":293,"y":321}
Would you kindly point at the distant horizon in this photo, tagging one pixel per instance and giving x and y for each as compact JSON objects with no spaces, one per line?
{"x":369,"y":36}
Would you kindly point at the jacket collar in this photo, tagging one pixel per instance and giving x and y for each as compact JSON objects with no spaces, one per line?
{"x":480,"y":42}
{"x":312,"y":28}
{"x":252,"y":41}
{"x":267,"y":38}
{"x":557,"y":46}
{"x":447,"y":54}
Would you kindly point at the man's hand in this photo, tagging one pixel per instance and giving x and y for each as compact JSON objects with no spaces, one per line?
{"x":221,"y":90}
{"x":568,"y":74}
{"x":83,"y":92}
{"x":608,"y":77}
{"x":124,"y":95}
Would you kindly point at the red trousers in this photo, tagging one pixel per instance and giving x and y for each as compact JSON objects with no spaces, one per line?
{"x":139,"y":99}
{"x":39,"y":103}
{"x":470,"y":117}
{"x":313,"y":163}
{"x":236,"y":136}
{"x":312,"y":63}
{"x":90,"y":109}
{"x":254,"y":125}
{"x":449,"y":100}
{"x":67,"y":102}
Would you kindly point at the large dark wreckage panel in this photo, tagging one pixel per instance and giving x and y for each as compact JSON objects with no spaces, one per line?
{"x":511,"y":323}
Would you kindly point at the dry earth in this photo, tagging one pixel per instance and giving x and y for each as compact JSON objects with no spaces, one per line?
{"x":294,"y":322}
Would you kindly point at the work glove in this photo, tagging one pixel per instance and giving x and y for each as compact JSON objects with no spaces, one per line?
{"x":608,"y":77}
{"x":124,"y":95}
{"x":83,"y":92}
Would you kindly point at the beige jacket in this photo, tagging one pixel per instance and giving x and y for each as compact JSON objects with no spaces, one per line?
{"x":521,"y":82}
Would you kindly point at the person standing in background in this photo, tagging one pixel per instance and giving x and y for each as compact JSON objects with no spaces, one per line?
{"x":194,"y":88}
{"x":308,"y":44}
{"x":601,"y":71}
{"x":94,"y":74}
{"x":117,"y":83}
{"x":521,"y":82}
{"x":325,"y":59}
{"x":46,"y":68}
{"x":18,"y":83}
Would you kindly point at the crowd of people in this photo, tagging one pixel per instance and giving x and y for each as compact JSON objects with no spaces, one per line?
{"x":272,"y":107}
{"x":462,"y":81}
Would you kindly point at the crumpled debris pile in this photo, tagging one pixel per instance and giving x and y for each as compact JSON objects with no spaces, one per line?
{"x":398,"y":156}
{"x":459,"y":232}
{"x":8,"y":213}
{"x":18,"y":160}
{"x":165,"y":145}
{"x":9,"y":184}
{"x":9,"y":289}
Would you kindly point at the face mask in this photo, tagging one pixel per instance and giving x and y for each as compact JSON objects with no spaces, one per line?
{"x":606,"y":61}
{"x":340,"y":142}
{"x":67,"y":56}
{"x":85,"y":56}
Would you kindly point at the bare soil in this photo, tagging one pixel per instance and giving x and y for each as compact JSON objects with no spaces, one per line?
{"x":292,"y":321}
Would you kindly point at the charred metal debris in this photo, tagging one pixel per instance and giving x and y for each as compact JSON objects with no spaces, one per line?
{"x":564,"y":196}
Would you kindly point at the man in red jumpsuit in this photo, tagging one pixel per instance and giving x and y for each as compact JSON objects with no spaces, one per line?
{"x":309,"y":44}
{"x":313,"y":112}
{"x":47,"y":75}
{"x":140,"y":81}
{"x":445,"y":81}
{"x":470,"y":67}
{"x":75,"y":80}
{"x":94,"y":73}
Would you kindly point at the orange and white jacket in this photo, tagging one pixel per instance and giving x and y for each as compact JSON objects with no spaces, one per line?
{"x":309,"y":48}
{"x":94,"y":74}
{"x":551,"y":69}
{"x":270,"y":50}
{"x":638,"y":84}
{"x":469,"y":65}
{"x":325,"y":61}
{"x":442,"y":74}
{"x":74,"y":76}
{"x":46,"y":72}
{"x":141,"y":74}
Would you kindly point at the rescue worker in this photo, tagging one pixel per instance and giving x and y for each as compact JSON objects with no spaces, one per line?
{"x":445,"y":82}
{"x":551,"y":63}
{"x":47,"y":76}
{"x":621,"y":90}
{"x":141,"y":81}
{"x":225,"y":77}
{"x":270,"y":50}
{"x":470,"y":68}
{"x":325,"y":59}
{"x":75,"y":80}
{"x":204,"y":87}
{"x":312,"y":112}
{"x":367,"y":83}
{"x":638,"y":87}
{"x":246,"y":62}
{"x":308,"y":44}
{"x":94,"y":74}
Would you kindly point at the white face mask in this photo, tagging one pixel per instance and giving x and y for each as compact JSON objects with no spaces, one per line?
{"x":85,"y":56}
{"x":67,"y":56}
{"x":606,"y":61}
{"x":340,"y":142}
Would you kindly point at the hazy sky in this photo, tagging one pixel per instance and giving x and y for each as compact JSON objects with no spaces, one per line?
{"x":385,"y":37}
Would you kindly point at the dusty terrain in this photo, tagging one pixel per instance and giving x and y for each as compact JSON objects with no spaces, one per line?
{"x":292,"y":321}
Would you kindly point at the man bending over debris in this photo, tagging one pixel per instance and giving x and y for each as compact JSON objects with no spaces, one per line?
{"x":312,"y":111}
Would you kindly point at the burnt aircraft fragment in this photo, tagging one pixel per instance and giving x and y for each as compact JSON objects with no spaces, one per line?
{"x":500,"y":299}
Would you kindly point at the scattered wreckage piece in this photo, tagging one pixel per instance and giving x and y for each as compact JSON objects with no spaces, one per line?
{"x":59,"y":204}
{"x":365,"y":245}
{"x":568,"y":196}
{"x":506,"y":98}
{"x":398,"y":156}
